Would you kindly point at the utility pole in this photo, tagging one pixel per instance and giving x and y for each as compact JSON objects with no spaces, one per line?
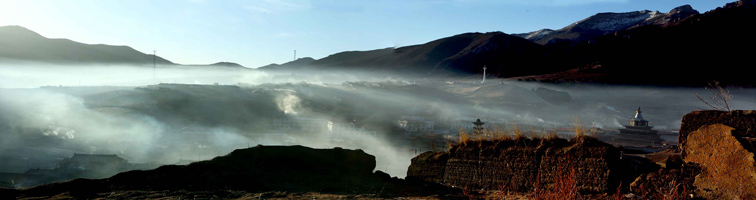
{"x":154,"y":55}
{"x":295,"y":55}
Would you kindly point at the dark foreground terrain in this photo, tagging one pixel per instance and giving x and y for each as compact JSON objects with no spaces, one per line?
{"x":251,"y":173}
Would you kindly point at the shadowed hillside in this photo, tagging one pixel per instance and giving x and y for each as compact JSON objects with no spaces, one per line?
{"x":503,"y":54}
{"x":256,"y":169}
{"x":691,"y":52}
{"x":21,"y":44}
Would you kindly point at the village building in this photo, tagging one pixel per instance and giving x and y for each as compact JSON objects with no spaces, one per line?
{"x":466,"y":124}
{"x":638,"y":133}
{"x":638,"y":125}
{"x":415,"y":124}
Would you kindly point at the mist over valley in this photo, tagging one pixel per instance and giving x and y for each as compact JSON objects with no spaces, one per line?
{"x":115,"y":115}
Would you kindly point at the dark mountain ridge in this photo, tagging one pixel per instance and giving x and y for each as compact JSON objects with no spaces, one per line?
{"x":679,"y":48}
{"x":464,"y":53}
{"x":694,"y":51}
{"x":21,"y":45}
{"x":295,"y":64}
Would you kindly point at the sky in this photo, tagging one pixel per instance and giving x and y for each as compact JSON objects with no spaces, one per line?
{"x":255,"y":33}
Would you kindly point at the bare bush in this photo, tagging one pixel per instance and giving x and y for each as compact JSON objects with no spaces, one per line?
{"x":720,"y":99}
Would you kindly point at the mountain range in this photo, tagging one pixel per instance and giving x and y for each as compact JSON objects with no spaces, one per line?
{"x":18,"y":44}
{"x":604,"y":23}
{"x":695,"y":51}
{"x":681,"y":47}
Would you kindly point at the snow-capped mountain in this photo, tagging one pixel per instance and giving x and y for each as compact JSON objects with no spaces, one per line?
{"x":603,"y":23}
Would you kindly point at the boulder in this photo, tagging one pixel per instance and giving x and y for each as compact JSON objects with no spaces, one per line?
{"x":728,"y":169}
{"x":717,"y":149}
{"x":743,"y":122}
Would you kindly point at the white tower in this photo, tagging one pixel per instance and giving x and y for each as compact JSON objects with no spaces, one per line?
{"x":484,"y":74}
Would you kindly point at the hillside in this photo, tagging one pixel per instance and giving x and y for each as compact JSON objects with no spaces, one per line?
{"x":503,"y":54}
{"x":20,"y":44}
{"x":679,"y":48}
{"x":692,"y":52}
{"x":289,"y":65}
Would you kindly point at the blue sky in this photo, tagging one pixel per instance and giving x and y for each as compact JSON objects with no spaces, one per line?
{"x":260,"y":32}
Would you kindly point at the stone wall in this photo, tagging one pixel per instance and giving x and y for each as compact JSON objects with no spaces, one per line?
{"x":429,"y":166}
{"x":523,"y":164}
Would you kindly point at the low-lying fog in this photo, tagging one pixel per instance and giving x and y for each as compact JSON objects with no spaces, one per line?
{"x":50,"y":112}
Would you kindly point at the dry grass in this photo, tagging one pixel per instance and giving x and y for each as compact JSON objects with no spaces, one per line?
{"x":464,"y":137}
{"x":551,"y":135}
{"x":564,"y":187}
{"x":515,"y":133}
{"x":580,"y":131}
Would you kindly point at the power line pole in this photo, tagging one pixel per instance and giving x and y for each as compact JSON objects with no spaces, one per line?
{"x":295,"y":55}
{"x":154,"y":55}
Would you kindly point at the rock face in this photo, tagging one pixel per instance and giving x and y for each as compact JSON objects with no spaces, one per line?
{"x":721,"y":144}
{"x":524,"y":164}
{"x":717,"y":155}
{"x":727,"y":169}
{"x":743,"y":123}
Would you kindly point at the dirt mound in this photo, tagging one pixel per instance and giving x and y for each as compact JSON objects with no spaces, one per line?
{"x":256,"y":169}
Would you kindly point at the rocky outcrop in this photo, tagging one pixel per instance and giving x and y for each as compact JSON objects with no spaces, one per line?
{"x":717,"y":150}
{"x":728,"y":170}
{"x":669,"y":182}
{"x":743,"y":123}
{"x":524,"y":164}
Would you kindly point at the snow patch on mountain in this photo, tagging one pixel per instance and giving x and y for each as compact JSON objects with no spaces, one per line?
{"x":538,"y":33}
{"x":610,"y":22}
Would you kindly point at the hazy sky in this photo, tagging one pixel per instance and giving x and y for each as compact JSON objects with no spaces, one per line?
{"x":259,"y":32}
